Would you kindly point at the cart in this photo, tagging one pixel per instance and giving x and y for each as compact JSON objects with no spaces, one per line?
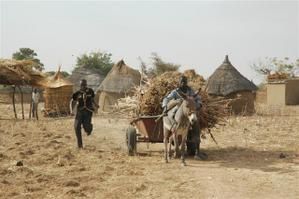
{"x":144,"y":129}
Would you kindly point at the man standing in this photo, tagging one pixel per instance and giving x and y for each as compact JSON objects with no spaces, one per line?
{"x":83,"y":99}
{"x":193,"y":138}
{"x":35,"y":101}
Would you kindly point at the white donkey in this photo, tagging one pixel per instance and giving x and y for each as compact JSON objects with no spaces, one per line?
{"x":185,"y":116}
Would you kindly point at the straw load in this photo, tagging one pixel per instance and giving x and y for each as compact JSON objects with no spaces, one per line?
{"x":147,"y":100}
{"x":160,"y":86}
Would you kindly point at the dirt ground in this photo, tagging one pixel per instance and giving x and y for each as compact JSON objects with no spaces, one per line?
{"x":257,"y":157}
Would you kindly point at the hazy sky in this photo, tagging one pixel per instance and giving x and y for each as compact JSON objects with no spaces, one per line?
{"x":195,"y":34}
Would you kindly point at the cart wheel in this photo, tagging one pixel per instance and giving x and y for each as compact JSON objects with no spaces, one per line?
{"x":131,"y":141}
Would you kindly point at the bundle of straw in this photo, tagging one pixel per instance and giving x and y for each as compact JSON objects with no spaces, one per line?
{"x":213,"y":109}
{"x":160,"y":86}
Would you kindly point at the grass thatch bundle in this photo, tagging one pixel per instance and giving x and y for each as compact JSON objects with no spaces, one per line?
{"x":18,"y":72}
{"x":57,"y":100}
{"x":57,"y":95}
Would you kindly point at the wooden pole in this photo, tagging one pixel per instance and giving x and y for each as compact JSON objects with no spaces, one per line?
{"x":30,"y":108}
{"x":22,"y":102}
{"x":13,"y":101}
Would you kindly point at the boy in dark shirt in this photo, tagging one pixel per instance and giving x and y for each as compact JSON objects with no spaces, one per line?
{"x":83,"y":99}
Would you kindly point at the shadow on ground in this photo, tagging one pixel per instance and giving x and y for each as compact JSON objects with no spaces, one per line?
{"x":267,"y":161}
{"x":246,"y":158}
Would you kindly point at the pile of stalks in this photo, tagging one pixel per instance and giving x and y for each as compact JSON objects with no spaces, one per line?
{"x":127,"y":106}
{"x":160,"y":86}
{"x":213,"y":110}
{"x":150,"y":97}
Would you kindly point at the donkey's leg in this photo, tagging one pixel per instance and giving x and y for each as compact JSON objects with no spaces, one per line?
{"x":169,"y":148}
{"x":165,"y":140}
{"x":183,"y":144}
{"x":176,"y":145}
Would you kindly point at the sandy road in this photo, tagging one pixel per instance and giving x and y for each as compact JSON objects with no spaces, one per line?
{"x":246,"y":164}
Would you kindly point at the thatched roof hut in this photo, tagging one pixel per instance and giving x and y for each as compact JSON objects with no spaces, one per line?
{"x":229,"y":82}
{"x":94,"y":77}
{"x":118,"y":83}
{"x":227,"y":79}
{"x":19,"y":73}
{"x":57,"y":95}
{"x":15,"y":72}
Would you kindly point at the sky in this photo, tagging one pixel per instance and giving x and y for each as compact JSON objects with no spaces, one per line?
{"x":195,"y":34}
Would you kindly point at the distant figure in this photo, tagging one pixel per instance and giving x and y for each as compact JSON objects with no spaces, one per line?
{"x":83,"y":99}
{"x":35,"y":101}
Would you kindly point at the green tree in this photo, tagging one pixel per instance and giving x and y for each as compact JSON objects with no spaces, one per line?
{"x":265,"y":66}
{"x":96,"y":60}
{"x":28,"y":54}
{"x":160,"y":66}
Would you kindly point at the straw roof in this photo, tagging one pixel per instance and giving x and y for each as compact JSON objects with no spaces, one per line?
{"x":56,"y":81}
{"x":94,"y":77}
{"x":15,"y":72}
{"x":227,"y":79}
{"x":120,"y":79}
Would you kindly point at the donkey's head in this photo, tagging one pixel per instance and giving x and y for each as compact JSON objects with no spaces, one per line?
{"x":189,"y":108}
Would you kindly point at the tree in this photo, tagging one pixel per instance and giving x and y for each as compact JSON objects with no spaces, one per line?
{"x":268,"y":65}
{"x":96,"y":60}
{"x":159,"y":66}
{"x":28,"y":54}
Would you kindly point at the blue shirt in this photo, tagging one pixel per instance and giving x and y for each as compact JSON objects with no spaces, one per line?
{"x":174,"y":95}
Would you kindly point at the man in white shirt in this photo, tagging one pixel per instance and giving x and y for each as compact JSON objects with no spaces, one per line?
{"x":35,"y":101}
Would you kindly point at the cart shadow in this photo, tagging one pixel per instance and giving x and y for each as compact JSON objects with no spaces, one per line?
{"x":247,"y":158}
{"x":243,"y":158}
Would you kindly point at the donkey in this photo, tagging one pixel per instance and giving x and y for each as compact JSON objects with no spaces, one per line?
{"x":184,"y":117}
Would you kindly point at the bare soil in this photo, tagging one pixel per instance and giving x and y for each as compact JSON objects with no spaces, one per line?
{"x":257,"y":157}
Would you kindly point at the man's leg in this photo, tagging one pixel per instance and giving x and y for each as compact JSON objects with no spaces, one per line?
{"x":77,"y":126}
{"x":36,"y":110}
{"x":33,"y":110}
{"x":196,"y":141}
{"x":175,"y":109}
{"x":190,"y":144}
{"x":87,"y":125}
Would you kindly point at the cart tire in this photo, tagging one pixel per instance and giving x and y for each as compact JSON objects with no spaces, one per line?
{"x":131,"y":141}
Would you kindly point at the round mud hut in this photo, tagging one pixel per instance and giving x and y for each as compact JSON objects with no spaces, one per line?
{"x":94,"y":77}
{"x":227,"y":81}
{"x":118,"y":83}
{"x":57,"y":95}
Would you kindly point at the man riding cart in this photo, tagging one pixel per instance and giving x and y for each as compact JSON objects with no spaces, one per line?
{"x":193,"y":138}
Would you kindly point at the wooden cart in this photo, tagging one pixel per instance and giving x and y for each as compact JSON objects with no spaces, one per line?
{"x":144,"y":129}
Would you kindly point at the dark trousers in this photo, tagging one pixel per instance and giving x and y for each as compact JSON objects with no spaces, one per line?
{"x":193,"y":139}
{"x":35,"y":110}
{"x":83,"y":118}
